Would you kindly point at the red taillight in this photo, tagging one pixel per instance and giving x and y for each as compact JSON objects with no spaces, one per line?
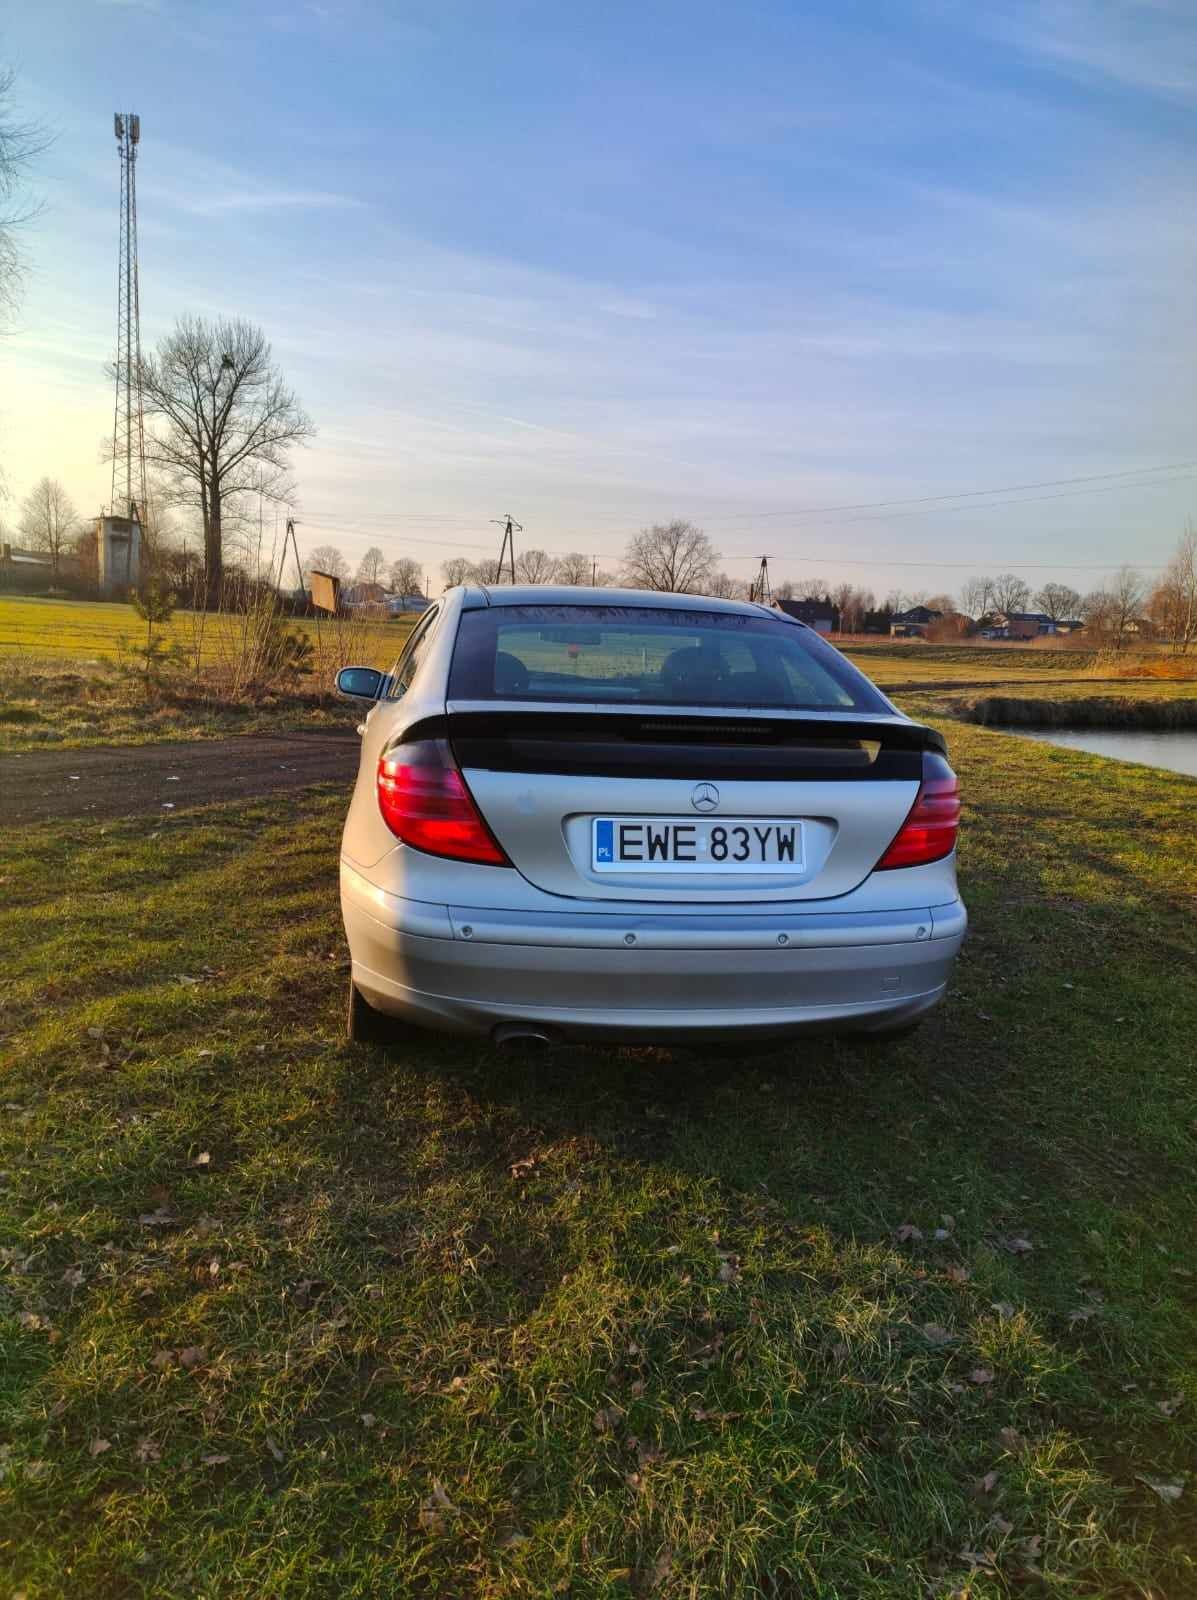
{"x":424,"y":802}
{"x":929,"y":832}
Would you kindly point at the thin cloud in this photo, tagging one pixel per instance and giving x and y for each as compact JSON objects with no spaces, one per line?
{"x":1142,"y":46}
{"x":211,"y":205}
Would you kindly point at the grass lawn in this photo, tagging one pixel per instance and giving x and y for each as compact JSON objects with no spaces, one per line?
{"x":62,"y":709}
{"x":888,"y":662}
{"x":93,"y":631}
{"x":283,"y":1317}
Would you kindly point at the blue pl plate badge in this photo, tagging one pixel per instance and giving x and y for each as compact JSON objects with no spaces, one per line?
{"x":604,"y":840}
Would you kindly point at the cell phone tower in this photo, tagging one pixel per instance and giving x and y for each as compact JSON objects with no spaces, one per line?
{"x":128,"y":424}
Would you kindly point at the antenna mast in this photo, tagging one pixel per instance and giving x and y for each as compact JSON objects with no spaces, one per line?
{"x":128,"y":423}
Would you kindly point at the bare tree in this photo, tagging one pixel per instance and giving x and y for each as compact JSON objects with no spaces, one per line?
{"x":1174,"y":599}
{"x":1127,"y":592}
{"x":1110,"y":610}
{"x":20,"y":144}
{"x":849,"y":603}
{"x":673,"y":557}
{"x":48,"y":520}
{"x":1010,"y":593}
{"x":407,"y":576}
{"x":810,"y":588}
{"x":976,"y":597}
{"x":943,"y":603}
{"x":575,"y":568}
{"x":1057,"y":601}
{"x":372,"y":566}
{"x":534,"y":566}
{"x":722,"y":586}
{"x":456,"y":570}
{"x":226,"y":422}
{"x":325,"y":558}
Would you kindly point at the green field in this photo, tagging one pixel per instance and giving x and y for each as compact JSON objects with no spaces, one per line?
{"x":84,"y":631}
{"x":281,"y":1317}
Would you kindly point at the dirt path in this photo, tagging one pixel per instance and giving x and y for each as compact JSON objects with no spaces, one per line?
{"x":131,"y":780}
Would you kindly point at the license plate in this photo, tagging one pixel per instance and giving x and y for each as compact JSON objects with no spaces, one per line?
{"x":687,"y":844}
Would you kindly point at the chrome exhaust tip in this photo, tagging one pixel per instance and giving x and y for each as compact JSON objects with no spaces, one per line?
{"x":521,"y":1036}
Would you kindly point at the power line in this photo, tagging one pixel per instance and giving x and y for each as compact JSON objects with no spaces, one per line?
{"x":960,"y":494}
{"x":862,"y":505}
{"x":828,"y":560}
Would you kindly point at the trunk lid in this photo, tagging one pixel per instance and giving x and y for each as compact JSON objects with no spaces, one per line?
{"x":541,"y":778}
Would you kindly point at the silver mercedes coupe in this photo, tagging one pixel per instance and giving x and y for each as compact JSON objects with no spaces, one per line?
{"x":607,"y":814}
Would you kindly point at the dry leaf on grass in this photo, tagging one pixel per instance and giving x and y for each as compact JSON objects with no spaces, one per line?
{"x":729,"y":1267}
{"x":214,"y":1460}
{"x":98,"y":1446}
{"x":162,"y":1360}
{"x":653,"y":1577}
{"x":1011,"y":1440}
{"x":204,"y":1159}
{"x":1004,"y":1309}
{"x":73,"y":1277}
{"x":936,"y":1335}
{"x":605,"y":1419}
{"x":436,"y":1508}
{"x":1169,"y":1492}
{"x":1016,"y":1245}
{"x":276,"y":1449}
{"x":512,"y":1540}
{"x":907,"y":1231}
{"x":1171,"y":1406}
{"x":957,"y":1274}
{"x":987,"y":1484}
{"x":31,"y":1321}
{"x":148,"y":1449}
{"x":193,"y":1356}
{"x":981,"y":1375}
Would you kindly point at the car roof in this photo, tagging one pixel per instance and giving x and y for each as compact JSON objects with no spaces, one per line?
{"x":565,"y":594}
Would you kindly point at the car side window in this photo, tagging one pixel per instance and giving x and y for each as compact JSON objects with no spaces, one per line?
{"x":409,"y":661}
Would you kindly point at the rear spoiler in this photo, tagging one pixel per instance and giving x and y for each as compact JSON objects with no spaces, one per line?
{"x":667,"y":744}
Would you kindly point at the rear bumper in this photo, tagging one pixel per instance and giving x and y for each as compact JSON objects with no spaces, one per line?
{"x":578,"y":975}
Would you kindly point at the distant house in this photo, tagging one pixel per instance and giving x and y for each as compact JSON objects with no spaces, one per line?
{"x":11,"y":554}
{"x":399,"y":604}
{"x":364,"y":594}
{"x":820,"y":615}
{"x":913,"y":624}
{"x":32,"y":569}
{"x":1019,"y":625}
{"x":1069,"y":625}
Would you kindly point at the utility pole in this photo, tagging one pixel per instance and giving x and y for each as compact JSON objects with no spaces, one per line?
{"x":761,"y":590}
{"x":507,"y":548}
{"x":594,"y":572}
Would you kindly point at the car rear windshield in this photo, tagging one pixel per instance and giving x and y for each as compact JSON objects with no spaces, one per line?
{"x":637,"y":655}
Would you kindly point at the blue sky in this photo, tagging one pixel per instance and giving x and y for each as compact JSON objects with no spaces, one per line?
{"x":603,"y":264}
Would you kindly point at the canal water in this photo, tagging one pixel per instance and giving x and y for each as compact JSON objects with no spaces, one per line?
{"x":1175,"y":749}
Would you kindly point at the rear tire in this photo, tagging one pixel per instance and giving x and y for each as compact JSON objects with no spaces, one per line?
{"x":363,"y":1023}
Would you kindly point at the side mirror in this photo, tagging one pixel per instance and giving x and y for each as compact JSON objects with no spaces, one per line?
{"x":360,"y":683}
